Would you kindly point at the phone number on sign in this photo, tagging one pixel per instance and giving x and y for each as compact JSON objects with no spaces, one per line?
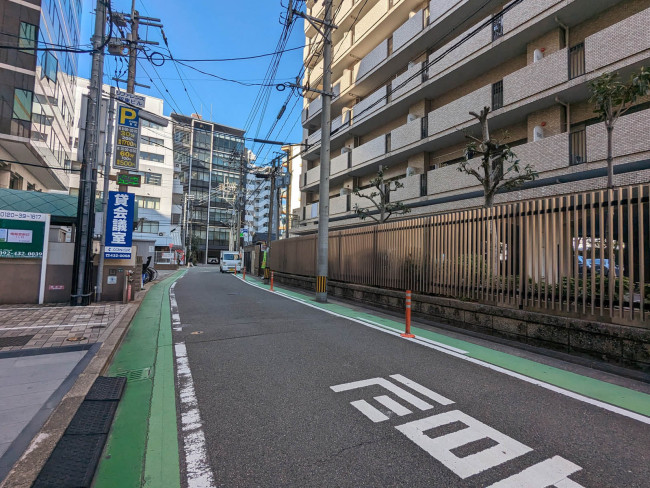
{"x":5,"y":253}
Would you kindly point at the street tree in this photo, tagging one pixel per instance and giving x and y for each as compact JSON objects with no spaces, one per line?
{"x":498,"y":167}
{"x":380,"y":198}
{"x":612,"y":98}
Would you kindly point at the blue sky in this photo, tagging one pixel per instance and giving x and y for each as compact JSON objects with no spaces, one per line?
{"x":214,"y":29}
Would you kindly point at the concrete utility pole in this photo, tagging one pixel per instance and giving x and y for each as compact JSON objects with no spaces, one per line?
{"x":270,"y":221}
{"x":324,"y":190}
{"x":88,"y":180}
{"x":241,"y":198}
{"x":133,"y":49}
{"x":107,"y":170}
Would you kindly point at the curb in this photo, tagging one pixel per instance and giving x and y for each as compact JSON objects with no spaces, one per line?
{"x":26,"y":469}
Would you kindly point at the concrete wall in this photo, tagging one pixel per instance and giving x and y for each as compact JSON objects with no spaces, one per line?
{"x":372,"y":59}
{"x":397,"y":90}
{"x":408,"y":30}
{"x":369,"y":150}
{"x":457,"y":112}
{"x":406,"y":134}
{"x":410,"y":190}
{"x":620,"y":344}
{"x":369,"y":105}
{"x":524,"y":12}
{"x":339,"y":163}
{"x":338,"y":205}
{"x":438,"y":8}
{"x":19,"y":280}
{"x":536,"y":77}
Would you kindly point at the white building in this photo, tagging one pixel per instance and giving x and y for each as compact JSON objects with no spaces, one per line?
{"x":154,"y":197}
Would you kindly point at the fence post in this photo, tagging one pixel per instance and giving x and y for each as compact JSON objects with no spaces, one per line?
{"x":407,"y":332}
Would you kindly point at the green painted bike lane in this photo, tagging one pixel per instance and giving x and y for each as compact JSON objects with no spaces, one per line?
{"x":619,"y":396}
{"x":142,"y":448}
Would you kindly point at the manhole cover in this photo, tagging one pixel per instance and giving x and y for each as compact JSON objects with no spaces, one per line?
{"x":15,"y":341}
{"x":197,"y":332}
{"x":135,"y":374}
{"x":76,"y":339}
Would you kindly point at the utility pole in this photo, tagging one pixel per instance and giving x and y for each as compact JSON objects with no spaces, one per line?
{"x":240,"y":198}
{"x":133,"y":49}
{"x":270,"y":221}
{"x":107,"y":170}
{"x":324,"y":189}
{"x":88,"y":180}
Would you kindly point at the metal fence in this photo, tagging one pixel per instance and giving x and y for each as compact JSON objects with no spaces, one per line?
{"x":582,"y":254}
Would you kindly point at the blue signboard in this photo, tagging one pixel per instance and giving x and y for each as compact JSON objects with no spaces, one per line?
{"x":119,"y":225}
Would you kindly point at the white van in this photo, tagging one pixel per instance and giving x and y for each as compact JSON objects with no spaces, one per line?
{"x":229,"y":262}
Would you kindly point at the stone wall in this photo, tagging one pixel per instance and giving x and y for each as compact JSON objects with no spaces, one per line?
{"x":620,"y":344}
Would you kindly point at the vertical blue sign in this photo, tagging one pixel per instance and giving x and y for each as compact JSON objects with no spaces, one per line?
{"x":119,"y":225}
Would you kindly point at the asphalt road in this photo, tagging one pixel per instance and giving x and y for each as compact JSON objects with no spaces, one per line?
{"x":264,"y":366}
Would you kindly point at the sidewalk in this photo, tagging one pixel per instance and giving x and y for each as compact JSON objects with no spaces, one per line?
{"x":49,"y":357}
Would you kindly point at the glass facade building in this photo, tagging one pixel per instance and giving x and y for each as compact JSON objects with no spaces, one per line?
{"x":207,"y":160}
{"x":37,"y":91}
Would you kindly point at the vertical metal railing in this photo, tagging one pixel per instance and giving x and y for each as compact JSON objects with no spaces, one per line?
{"x":583,"y":254}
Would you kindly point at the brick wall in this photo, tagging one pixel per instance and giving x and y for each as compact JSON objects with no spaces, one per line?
{"x":631,"y":135}
{"x":481,"y":39}
{"x":397,"y":90}
{"x":408,"y":30}
{"x":369,"y":150}
{"x":406,"y":134}
{"x":618,"y":41}
{"x":457,"y":112}
{"x":551,"y":116}
{"x":536,"y":77}
{"x":445,"y":179}
{"x":545,"y":154}
{"x":550,"y":42}
{"x":526,"y":11}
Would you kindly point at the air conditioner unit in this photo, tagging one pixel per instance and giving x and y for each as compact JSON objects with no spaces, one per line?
{"x":411,"y":117}
{"x":344,"y":191}
{"x":410,"y":171}
{"x":346,"y":150}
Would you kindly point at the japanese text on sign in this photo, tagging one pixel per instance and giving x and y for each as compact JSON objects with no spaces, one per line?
{"x":119,"y":225}
{"x":127,"y":138}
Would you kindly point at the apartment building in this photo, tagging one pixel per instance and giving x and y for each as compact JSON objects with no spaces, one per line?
{"x":258,"y":194}
{"x":208,"y":158}
{"x":154,"y":196}
{"x":406,"y":74}
{"x":37,"y":92}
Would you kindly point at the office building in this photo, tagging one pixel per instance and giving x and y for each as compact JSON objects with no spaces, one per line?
{"x":37,"y":92}
{"x":406,"y":74}
{"x":208,"y":158}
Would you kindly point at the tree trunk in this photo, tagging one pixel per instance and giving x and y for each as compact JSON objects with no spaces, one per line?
{"x":489,"y":200}
{"x":610,"y":158}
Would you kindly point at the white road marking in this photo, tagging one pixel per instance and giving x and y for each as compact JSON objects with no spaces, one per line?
{"x":396,"y":390}
{"x":423,"y":339}
{"x":552,"y":472}
{"x":576,"y":396}
{"x":198,"y":471}
{"x":50,"y":326}
{"x":392,"y":405}
{"x":422,"y":389}
{"x":440,"y":447}
{"x":369,"y":411}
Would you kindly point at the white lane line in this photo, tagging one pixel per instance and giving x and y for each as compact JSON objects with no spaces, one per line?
{"x":198,"y":470}
{"x":392,"y":405}
{"x":50,"y":326}
{"x":527,"y":379}
{"x":552,"y":472}
{"x":369,"y":411}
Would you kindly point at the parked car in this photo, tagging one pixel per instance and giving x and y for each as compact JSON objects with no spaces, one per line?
{"x":594,"y":267}
{"x":213,"y":260}
{"x":230,"y":262}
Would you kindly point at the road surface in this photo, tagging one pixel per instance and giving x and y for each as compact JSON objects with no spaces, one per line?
{"x":276,"y":392}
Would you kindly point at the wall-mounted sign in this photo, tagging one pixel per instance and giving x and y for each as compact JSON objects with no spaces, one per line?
{"x":119,"y":225}
{"x":111,"y":280}
{"x":56,"y":287}
{"x":130,"y":99}
{"x":129,"y":180}
{"x":22,"y":234}
{"x":127,"y":138}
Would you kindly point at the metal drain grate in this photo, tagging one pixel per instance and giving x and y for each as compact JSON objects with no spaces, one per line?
{"x":135,"y":374}
{"x":72,"y":463}
{"x":106,"y":388}
{"x":15,"y":341}
{"x":92,"y":418}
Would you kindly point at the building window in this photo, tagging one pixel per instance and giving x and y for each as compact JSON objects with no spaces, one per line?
{"x":158,"y":158}
{"x":577,"y":60}
{"x":152,"y":141}
{"x":151,"y":125}
{"x":153,"y":179}
{"x":23,"y":104}
{"x":15,"y":181}
{"x":147,"y":202}
{"x":497,"y":95}
{"x":27,"y":38}
{"x":149,"y":227}
{"x":497,"y":27}
{"x":50,"y":66}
